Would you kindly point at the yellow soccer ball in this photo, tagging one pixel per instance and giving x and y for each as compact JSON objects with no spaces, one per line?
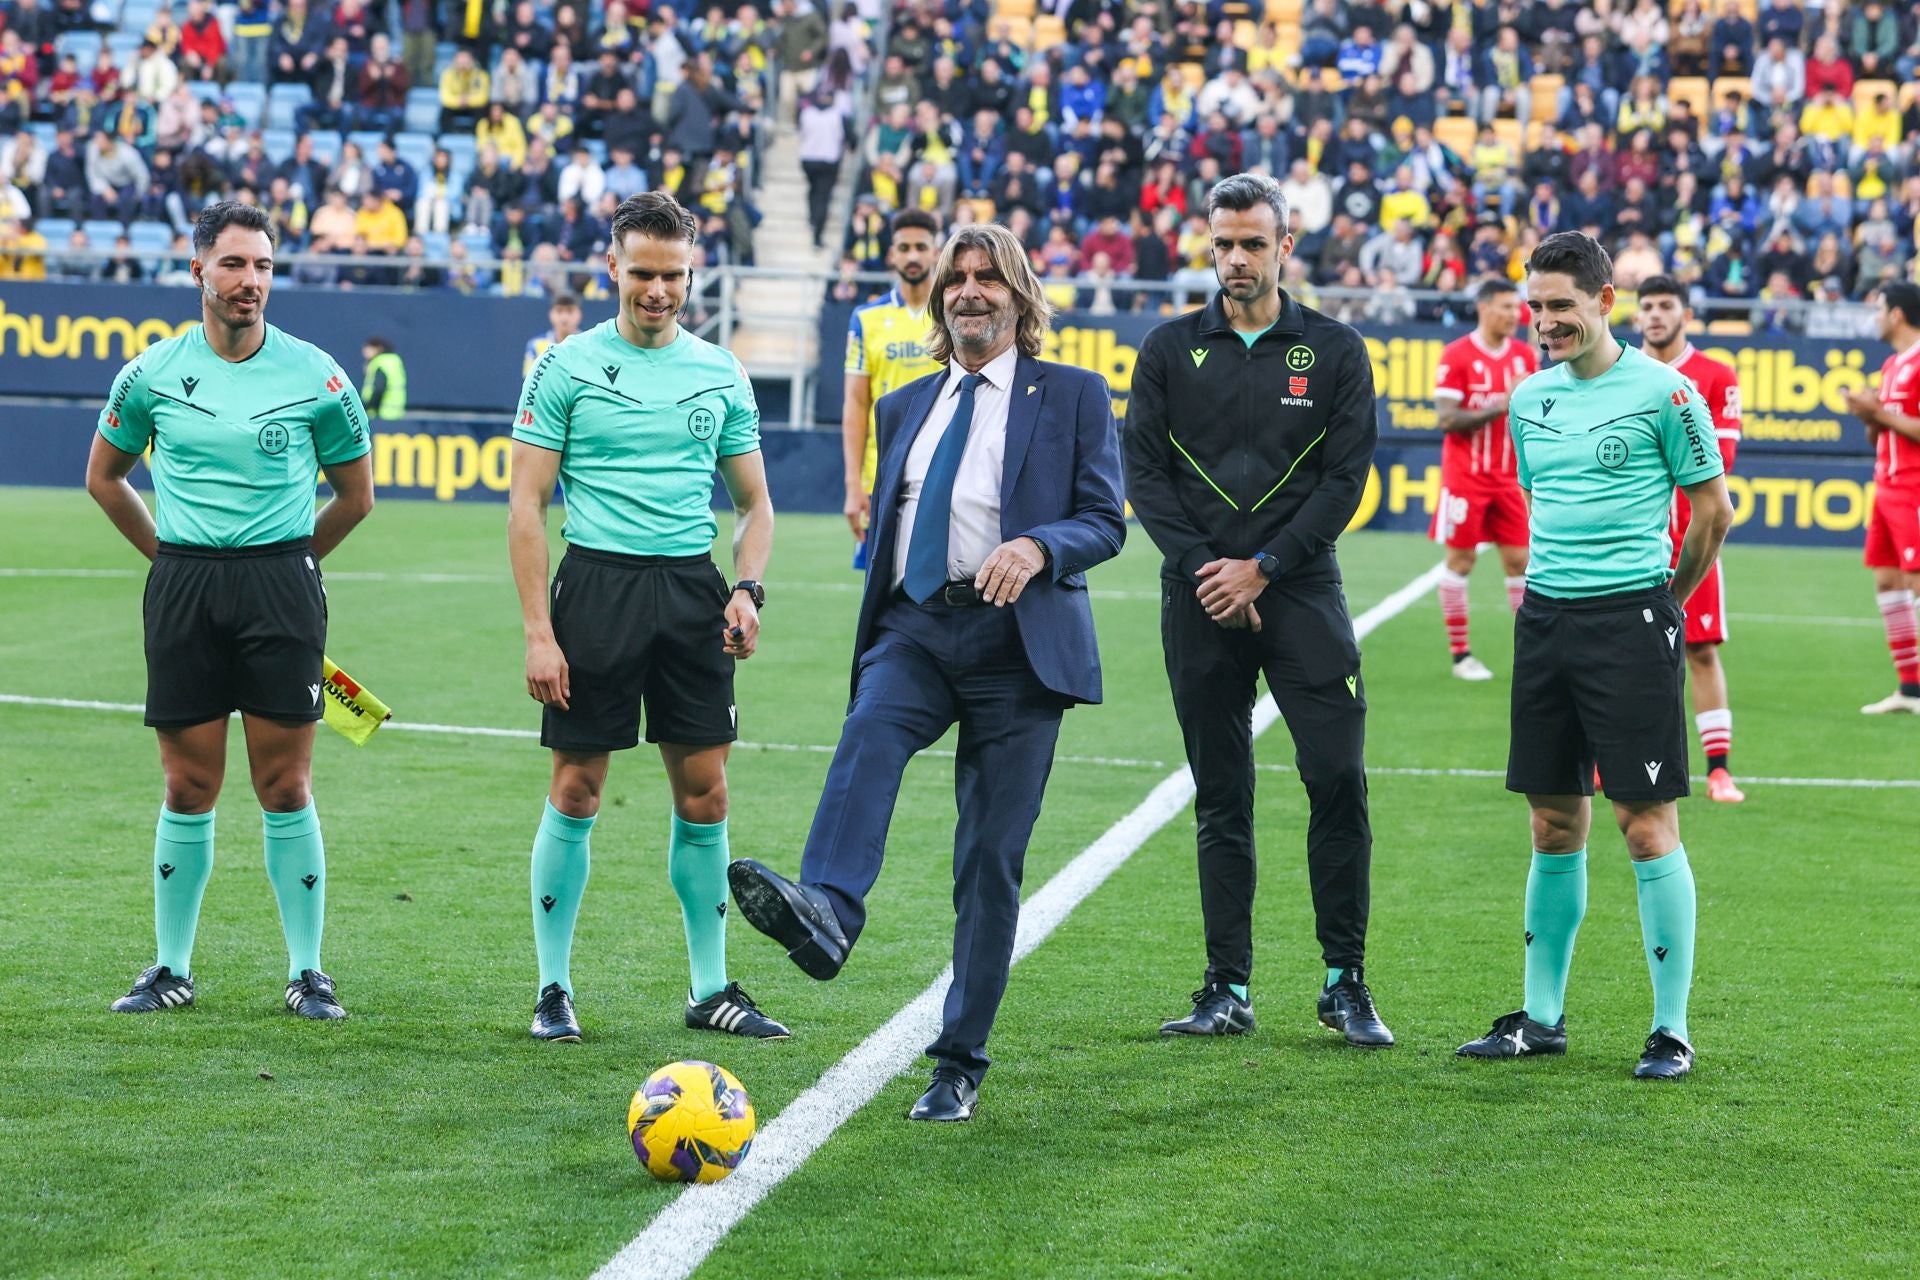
{"x":691,"y":1122}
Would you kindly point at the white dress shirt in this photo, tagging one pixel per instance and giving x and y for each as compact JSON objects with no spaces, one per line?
{"x":974,"y":528}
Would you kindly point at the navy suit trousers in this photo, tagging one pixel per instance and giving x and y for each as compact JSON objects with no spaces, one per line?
{"x":929,"y":667}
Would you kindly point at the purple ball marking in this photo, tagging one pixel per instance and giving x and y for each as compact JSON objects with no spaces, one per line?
{"x":686,"y":1162}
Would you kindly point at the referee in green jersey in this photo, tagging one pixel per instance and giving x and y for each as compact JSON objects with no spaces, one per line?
{"x":1599,"y":664}
{"x":239,"y":418}
{"x":633,"y":416}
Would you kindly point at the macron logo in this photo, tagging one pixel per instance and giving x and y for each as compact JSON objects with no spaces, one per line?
{"x":1199,"y":355}
{"x":1671,"y":633}
{"x":314,"y":689}
{"x":1653,"y":772}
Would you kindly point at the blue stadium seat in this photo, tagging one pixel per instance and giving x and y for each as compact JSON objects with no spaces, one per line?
{"x":416,"y":149}
{"x":281,"y":100}
{"x":124,"y":44}
{"x":56,"y":230}
{"x":137,"y":15}
{"x":204,"y":90}
{"x":423,"y":110}
{"x":82,"y":45}
{"x":326,"y":147}
{"x":479,"y":243}
{"x":368,"y":140}
{"x":435,"y":241}
{"x":150,"y":238}
{"x":102,"y":232}
{"x":250,"y":100}
{"x":43,"y":132}
{"x":278,"y":142}
{"x":461,"y":147}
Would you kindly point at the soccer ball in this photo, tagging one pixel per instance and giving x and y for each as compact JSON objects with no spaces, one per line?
{"x":691,"y":1122}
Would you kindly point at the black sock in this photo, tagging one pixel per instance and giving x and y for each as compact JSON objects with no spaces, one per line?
{"x":1908,"y":688}
{"x":1462,"y":656}
{"x":1716,"y":762}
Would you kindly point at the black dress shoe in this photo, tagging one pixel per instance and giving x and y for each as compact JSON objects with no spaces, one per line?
{"x":1216,"y":1012}
{"x":798,"y":918}
{"x":1347,"y":1007}
{"x":949,"y":1099}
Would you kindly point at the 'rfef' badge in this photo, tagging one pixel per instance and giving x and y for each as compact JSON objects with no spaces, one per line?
{"x":701,"y":423}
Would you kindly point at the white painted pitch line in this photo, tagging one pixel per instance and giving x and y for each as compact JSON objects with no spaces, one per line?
{"x":817,"y":748}
{"x":683,"y":1233}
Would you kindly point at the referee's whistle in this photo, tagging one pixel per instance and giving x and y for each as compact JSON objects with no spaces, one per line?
{"x":737,"y":633}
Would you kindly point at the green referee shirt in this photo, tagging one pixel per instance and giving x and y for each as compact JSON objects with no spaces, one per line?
{"x":1601,"y":457}
{"x":237,"y":447}
{"x":638,"y":432}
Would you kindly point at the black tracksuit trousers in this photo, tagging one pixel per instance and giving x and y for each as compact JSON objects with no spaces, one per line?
{"x":1307,"y":652}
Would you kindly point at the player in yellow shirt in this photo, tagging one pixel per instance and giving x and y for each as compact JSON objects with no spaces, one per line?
{"x":886,"y":349}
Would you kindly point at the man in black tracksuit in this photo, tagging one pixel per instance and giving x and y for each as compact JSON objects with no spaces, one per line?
{"x":1249,"y":437}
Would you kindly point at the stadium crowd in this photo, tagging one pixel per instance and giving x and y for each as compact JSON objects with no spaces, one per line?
{"x":481,"y":144}
{"x":1761,"y":154}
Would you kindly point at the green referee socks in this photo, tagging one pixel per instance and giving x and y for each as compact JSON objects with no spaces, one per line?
{"x":697,"y":866}
{"x":297,"y":866}
{"x":182,"y":863}
{"x":1556,"y":903}
{"x":561,"y":861}
{"x":1666,"y":929}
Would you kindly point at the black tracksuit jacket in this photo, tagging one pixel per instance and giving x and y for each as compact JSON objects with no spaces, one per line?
{"x":1234,"y":450}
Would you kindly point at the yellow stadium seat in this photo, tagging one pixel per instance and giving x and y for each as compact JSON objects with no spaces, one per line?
{"x":1546,"y":95}
{"x":1285,"y":12}
{"x":1691,"y":90}
{"x":1730,"y":328}
{"x":1539,"y":134}
{"x":1724,"y":84}
{"x":1908,"y":92}
{"x":1332,"y":81}
{"x":1019,"y":30}
{"x":1456,"y":133}
{"x":1511,"y":133}
{"x":1244,"y":33}
{"x":1048,"y":31}
{"x":1865,"y":90}
{"x":1013,"y":9}
{"x":1843,"y":184}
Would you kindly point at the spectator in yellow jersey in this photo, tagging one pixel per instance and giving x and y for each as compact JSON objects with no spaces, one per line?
{"x":464,"y":90}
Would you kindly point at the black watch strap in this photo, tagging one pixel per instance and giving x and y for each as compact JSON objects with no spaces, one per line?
{"x":756,"y":591}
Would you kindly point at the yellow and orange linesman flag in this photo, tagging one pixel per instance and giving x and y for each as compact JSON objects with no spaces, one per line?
{"x":351,"y":708}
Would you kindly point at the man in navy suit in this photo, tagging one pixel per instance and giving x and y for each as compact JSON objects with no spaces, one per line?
{"x":998,"y":488}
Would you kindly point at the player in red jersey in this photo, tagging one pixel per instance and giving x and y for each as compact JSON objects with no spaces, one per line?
{"x":1480,"y":498}
{"x":1893,"y":530}
{"x":1664,"y":318}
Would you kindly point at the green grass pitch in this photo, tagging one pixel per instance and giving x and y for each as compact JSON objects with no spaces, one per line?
{"x":428,"y":1135}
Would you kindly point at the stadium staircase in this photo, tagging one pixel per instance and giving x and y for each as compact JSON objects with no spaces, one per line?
{"x":776,"y":320}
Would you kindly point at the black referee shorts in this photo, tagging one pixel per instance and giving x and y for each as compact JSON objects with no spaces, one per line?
{"x":640,"y":630}
{"x":1600,"y":681}
{"x":234,"y":629}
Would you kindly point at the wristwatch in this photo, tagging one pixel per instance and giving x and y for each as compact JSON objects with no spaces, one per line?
{"x":755,"y":592}
{"x":1269,"y":567}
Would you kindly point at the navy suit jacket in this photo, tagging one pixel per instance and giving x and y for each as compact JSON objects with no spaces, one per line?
{"x":1059,"y":482}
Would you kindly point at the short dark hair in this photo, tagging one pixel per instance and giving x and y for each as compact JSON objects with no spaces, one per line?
{"x":378,"y":343}
{"x":565,"y":298}
{"x":1492,"y":287}
{"x":655,"y":215}
{"x":1664,"y":287}
{"x":913,"y":220}
{"x":1576,"y":254}
{"x":1245,"y":191}
{"x":1902,"y":297}
{"x":216,"y":218}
